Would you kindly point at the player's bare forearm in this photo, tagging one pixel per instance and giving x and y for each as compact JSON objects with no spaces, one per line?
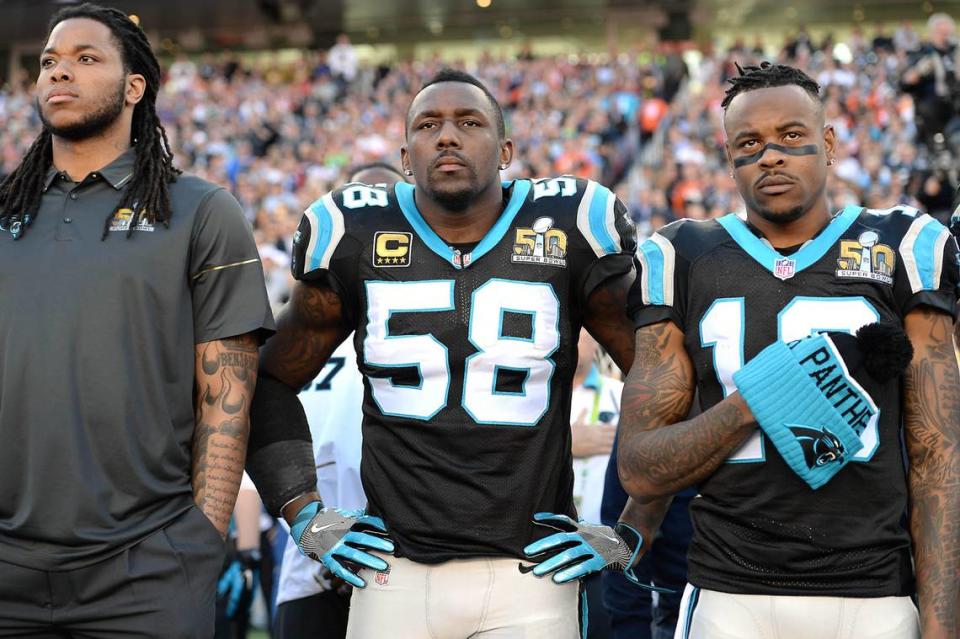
{"x":646,"y":516}
{"x":309,"y":329}
{"x":294,"y":506}
{"x":226,"y":374}
{"x":658,"y":454}
{"x":932,"y":433}
{"x":606,"y":319}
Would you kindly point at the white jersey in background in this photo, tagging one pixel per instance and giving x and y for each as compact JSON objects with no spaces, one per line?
{"x":599,"y":397}
{"x":333,"y":403}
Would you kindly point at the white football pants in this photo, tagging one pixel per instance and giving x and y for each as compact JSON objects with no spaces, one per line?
{"x":481,"y":598}
{"x":708,"y":614}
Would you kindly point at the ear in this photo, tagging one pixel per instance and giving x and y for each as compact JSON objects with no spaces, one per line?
{"x":729,"y":156}
{"x":136,"y":86}
{"x":405,"y":159}
{"x":506,"y":152}
{"x":830,"y":143}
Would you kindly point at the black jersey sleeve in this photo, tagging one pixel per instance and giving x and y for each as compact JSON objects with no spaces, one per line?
{"x":324,"y":252}
{"x":928,"y":273}
{"x":659,"y":292}
{"x":610,"y":237}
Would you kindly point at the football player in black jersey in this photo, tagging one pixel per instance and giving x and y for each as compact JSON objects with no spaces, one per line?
{"x":831,"y":541}
{"x":465,"y":296}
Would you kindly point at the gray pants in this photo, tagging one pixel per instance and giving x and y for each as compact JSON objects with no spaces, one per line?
{"x":164,"y":586}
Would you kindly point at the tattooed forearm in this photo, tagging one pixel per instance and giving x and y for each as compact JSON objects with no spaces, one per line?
{"x":309,"y":328}
{"x":646,"y":516}
{"x":658,"y":454}
{"x":932,"y":433}
{"x":606,"y":319}
{"x":226,"y":374}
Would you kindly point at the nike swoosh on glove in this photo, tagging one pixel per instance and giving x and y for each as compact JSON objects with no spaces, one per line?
{"x":333,"y":536}
{"x":581,"y":548}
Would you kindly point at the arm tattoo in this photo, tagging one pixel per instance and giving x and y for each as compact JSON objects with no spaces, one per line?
{"x":932,"y":434}
{"x":309,"y":328}
{"x":646,"y":516}
{"x":226,"y":373}
{"x":606,"y":319}
{"x":659,"y":454}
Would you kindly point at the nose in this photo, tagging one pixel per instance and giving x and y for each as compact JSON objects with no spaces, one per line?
{"x":61,"y":72}
{"x":449,"y":135}
{"x":772,"y":158}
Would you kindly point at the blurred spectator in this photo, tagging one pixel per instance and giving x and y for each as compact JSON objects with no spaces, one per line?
{"x":932,"y":77}
{"x":280,"y":134}
{"x":343,"y":61}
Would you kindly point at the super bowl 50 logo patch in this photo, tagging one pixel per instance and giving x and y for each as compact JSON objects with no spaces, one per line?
{"x":121,"y":221}
{"x":541,"y":244}
{"x":866,"y":259}
{"x":391,"y":249}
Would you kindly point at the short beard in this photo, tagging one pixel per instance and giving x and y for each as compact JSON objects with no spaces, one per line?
{"x":459,"y":200}
{"x":93,"y":123}
{"x":791,"y":215}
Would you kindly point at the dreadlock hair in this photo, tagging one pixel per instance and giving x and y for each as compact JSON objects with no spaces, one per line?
{"x":766,"y":76}
{"x":455,"y":75}
{"x":147,"y":193}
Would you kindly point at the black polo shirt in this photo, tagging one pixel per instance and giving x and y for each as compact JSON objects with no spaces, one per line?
{"x":97,"y":360}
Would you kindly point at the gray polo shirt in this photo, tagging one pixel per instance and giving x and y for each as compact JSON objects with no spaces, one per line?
{"x":97,"y":361}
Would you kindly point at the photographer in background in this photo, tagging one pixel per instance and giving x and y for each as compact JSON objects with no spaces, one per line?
{"x":932,"y":79}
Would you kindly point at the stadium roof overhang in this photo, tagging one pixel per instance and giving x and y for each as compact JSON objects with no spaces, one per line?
{"x":200,"y":24}
{"x":219,"y":23}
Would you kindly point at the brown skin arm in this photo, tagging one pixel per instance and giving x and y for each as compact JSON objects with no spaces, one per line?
{"x":309,"y":328}
{"x":932,"y":433}
{"x":226,"y":374}
{"x":607,"y":321}
{"x":658,"y":454}
{"x":645,"y":516}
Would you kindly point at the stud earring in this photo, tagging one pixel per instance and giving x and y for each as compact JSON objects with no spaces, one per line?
{"x":407,"y":172}
{"x":503,"y":167}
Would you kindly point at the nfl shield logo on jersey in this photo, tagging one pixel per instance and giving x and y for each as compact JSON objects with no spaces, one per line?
{"x":784,"y":268}
{"x":383,"y":576}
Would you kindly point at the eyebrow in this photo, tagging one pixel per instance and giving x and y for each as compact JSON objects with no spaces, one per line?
{"x":460,"y":112}
{"x":781,"y":128}
{"x":79,"y":47}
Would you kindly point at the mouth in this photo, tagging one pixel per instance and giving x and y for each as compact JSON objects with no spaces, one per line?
{"x":449,"y":164}
{"x":59,"y":96}
{"x":775,"y":184}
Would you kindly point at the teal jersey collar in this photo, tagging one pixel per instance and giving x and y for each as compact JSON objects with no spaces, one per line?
{"x":783,"y":266}
{"x":436,"y":244}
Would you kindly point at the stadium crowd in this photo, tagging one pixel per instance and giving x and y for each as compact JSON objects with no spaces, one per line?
{"x":647,"y":124}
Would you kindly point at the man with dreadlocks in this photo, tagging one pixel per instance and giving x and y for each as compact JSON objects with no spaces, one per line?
{"x":128,"y":291}
{"x":806,"y":518}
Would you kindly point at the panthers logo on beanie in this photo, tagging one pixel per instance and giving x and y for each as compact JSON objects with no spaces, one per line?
{"x":820,"y":446}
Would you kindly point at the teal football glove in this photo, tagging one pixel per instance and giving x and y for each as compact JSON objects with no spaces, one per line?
{"x":333,"y":536}
{"x":239,"y":580}
{"x":580,"y":549}
{"x":808,"y":396}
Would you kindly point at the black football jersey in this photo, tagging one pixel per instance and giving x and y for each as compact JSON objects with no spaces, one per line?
{"x":467,"y":357}
{"x":759,"y":528}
